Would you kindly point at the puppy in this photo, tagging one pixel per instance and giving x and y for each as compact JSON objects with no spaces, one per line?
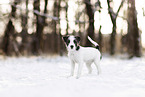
{"x":81,"y":55}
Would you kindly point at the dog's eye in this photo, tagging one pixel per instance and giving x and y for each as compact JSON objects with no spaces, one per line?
{"x":75,"y":41}
{"x":68,"y":41}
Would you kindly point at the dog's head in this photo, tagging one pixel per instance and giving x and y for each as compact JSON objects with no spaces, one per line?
{"x":72,"y":42}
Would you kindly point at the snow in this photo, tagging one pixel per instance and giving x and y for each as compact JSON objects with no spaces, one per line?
{"x":47,"y":77}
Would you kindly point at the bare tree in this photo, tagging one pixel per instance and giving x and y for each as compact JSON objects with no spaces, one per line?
{"x":66,"y":9}
{"x":98,"y":8}
{"x":113,"y":17}
{"x":9,"y":42}
{"x":56,"y":27}
{"x":40,"y":23}
{"x":90,"y":13}
{"x":100,"y":38}
{"x":24,"y":32}
{"x":134,"y":40}
{"x":8,"y":37}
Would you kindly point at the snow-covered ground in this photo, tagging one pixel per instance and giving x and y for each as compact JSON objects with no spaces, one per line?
{"x":47,"y":77}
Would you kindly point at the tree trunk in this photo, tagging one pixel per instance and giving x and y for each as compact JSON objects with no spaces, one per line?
{"x":13,"y":7}
{"x":40,"y":22}
{"x":24,"y":32}
{"x":112,"y":39}
{"x":100,"y":34}
{"x":37,"y":37}
{"x":9,"y":45}
{"x":56,"y":26}
{"x":44,"y":22}
{"x":100,"y":38}
{"x":134,"y":45}
{"x":90,"y":13}
{"x":67,"y":26}
{"x":60,"y":42}
{"x":10,"y":30}
{"x":113,"y":17}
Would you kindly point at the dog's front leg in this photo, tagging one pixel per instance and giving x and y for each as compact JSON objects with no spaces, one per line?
{"x":72,"y":68}
{"x":79,"y":70}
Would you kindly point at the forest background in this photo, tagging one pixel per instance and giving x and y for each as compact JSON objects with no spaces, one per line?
{"x":36,"y":27}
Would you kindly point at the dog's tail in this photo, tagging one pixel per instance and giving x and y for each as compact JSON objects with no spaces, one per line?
{"x":93,"y":42}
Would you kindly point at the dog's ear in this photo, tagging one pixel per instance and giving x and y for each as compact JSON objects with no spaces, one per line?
{"x":65,"y":38}
{"x":78,"y":39}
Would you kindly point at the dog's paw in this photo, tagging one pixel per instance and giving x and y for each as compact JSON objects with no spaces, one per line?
{"x":69,"y":76}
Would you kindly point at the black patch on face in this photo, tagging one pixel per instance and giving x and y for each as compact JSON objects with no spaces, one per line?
{"x":76,"y":41}
{"x":66,"y":40}
{"x":78,"y":47}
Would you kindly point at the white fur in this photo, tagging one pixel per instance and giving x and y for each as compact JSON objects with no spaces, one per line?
{"x":87,"y":55}
{"x":92,"y":41}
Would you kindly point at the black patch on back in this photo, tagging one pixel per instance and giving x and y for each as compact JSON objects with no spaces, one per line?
{"x":97,"y":47}
{"x":100,"y":57}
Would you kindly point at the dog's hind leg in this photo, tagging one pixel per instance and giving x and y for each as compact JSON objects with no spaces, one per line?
{"x":97,"y":64}
{"x":88,"y":64}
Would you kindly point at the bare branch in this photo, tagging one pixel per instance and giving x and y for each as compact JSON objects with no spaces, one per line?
{"x":143,"y":11}
{"x":123,"y":18}
{"x":114,"y":15}
{"x":53,"y":17}
{"x":110,"y":10}
{"x":122,"y":2}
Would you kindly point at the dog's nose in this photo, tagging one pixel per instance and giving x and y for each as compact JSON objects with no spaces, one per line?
{"x":71,"y":46}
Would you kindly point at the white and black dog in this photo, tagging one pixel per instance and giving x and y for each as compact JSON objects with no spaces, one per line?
{"x":81,"y":55}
